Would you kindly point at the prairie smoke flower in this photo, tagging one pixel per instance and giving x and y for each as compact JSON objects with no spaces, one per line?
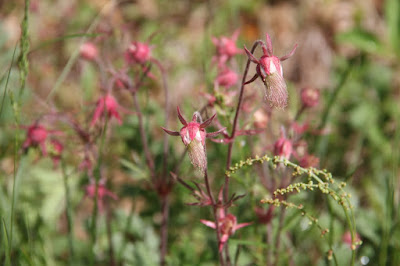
{"x":36,"y":136}
{"x":102,"y":192}
{"x":309,"y":97}
{"x":226,"y":47}
{"x":264,"y":216}
{"x":346,"y":238}
{"x":138,"y":52}
{"x":88,"y":51}
{"x":106,"y":105}
{"x":227,"y":78}
{"x":269,"y":69}
{"x":227,"y":226}
{"x":194,"y":136}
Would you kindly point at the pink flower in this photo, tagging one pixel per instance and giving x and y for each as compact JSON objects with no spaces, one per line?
{"x":227,"y":226}
{"x":310,"y":97}
{"x":36,"y":135}
{"x":283,"y":147}
{"x":194,"y":136}
{"x":227,"y":78}
{"x":264,"y":216}
{"x":226,"y":47}
{"x":106,"y":105}
{"x":89,"y":51}
{"x":269,"y":69}
{"x":138,"y":52}
{"x":346,"y":238}
{"x":102,"y":192}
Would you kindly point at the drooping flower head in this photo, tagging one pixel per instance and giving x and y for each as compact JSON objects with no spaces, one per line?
{"x":227,"y":78}
{"x":269,"y":69}
{"x":227,"y":226}
{"x":106,"y":105}
{"x":194,"y":136}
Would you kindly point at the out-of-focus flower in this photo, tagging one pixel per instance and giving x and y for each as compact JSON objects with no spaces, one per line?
{"x":102,"y":192}
{"x":194,"y":136}
{"x":310,"y":97}
{"x":264,"y":216}
{"x":309,"y":160}
{"x":346,"y":238}
{"x":227,"y":78}
{"x":89,"y":51}
{"x":260,"y":119}
{"x":36,"y":136}
{"x":269,"y":69}
{"x":138,"y":52}
{"x":226,"y":47}
{"x":283,"y":147}
{"x":227,"y":226}
{"x":106,"y":105}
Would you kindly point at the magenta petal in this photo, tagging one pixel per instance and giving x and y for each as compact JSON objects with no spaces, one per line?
{"x":183,"y":121}
{"x":169,"y":132}
{"x":238,"y":226}
{"x":207,"y":122}
{"x":208,"y":223}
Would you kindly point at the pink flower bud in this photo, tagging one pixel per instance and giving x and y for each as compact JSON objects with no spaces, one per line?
{"x":226,"y":47}
{"x":138,"y":53}
{"x":346,"y":238}
{"x":106,"y":104}
{"x":89,"y":51}
{"x":283,"y":147}
{"x":227,"y":78}
{"x":36,"y":135}
{"x":102,"y":192}
{"x":260,"y":119}
{"x":310,"y":97}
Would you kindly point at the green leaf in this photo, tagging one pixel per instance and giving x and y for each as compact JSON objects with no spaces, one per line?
{"x":392,"y":15}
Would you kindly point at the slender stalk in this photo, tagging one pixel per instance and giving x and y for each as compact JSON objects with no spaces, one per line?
{"x":68,"y":213}
{"x":109,"y":237}
{"x":149,"y":159}
{"x":215,"y":211}
{"x":164,"y":229}
{"x":235,"y":121}
{"x":278,"y":236}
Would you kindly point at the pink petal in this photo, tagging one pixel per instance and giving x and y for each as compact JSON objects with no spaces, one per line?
{"x":208,"y":223}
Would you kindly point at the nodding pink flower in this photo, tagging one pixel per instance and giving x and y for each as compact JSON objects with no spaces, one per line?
{"x":89,"y":51}
{"x":269,"y":69}
{"x":260,"y":119}
{"x":227,"y":226}
{"x":227,"y":78}
{"x":310,"y":97}
{"x":102,"y":192}
{"x":56,"y":150}
{"x":138,"y":52}
{"x":283,"y":147}
{"x":226,"y":47}
{"x":106,"y":104}
{"x":36,"y":136}
{"x":194,"y":136}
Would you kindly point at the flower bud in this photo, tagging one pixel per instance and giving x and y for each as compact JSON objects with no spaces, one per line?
{"x":283,"y":147}
{"x":89,"y":51}
{"x":138,"y":53}
{"x":227,"y":78}
{"x":310,"y":97}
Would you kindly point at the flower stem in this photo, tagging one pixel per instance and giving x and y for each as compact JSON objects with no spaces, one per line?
{"x":68,"y":213}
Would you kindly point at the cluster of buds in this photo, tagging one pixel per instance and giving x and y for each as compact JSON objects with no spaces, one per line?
{"x":269,"y":69}
{"x":194,"y":136}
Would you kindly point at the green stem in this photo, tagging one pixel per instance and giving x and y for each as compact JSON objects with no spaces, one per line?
{"x":68,"y":213}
